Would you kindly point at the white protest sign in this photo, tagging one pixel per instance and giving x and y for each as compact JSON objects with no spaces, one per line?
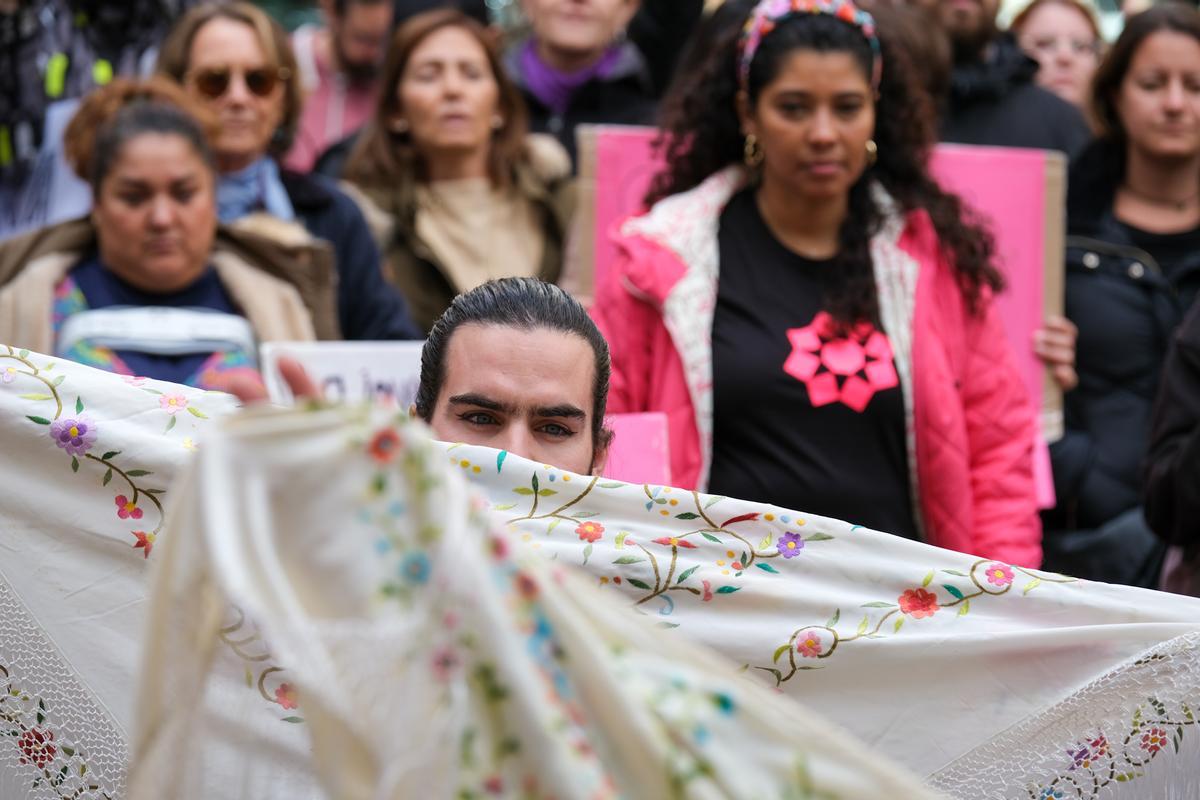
{"x":348,"y":372}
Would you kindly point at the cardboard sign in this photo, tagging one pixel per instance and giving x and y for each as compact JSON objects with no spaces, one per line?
{"x":1018,"y":194}
{"x":350,"y":372}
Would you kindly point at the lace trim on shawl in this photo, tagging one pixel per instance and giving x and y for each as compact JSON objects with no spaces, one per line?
{"x":55,"y":738}
{"x":1145,"y":745}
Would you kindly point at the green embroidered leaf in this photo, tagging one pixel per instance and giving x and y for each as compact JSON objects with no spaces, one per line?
{"x":818,"y":537}
{"x":107,"y":477}
{"x":611,"y":485}
{"x":535,"y":483}
{"x":706,"y":535}
{"x":712,"y":502}
{"x":899,"y":624}
{"x":862,"y":626}
{"x":554,"y":524}
{"x":765,"y":543}
{"x":878,"y":604}
{"x":138,"y":473}
{"x":621,"y":540}
{"x":195,"y":412}
{"x":587,"y":553}
{"x":687,"y":573}
{"x":687,"y":515}
{"x":153,"y":491}
{"x":1033,"y":584}
{"x":170,"y":424}
{"x":928,"y":580}
{"x":41,"y":718}
{"x":1125,"y":777}
{"x":110,"y":454}
{"x":523,"y":490}
{"x":49,"y":367}
{"x":783,"y":648}
{"x":39,"y":420}
{"x":628,"y":560}
{"x":74,"y":464}
{"x":964,"y":608}
{"x":728,"y":589}
{"x":639,"y":584}
{"x":293,"y":720}
{"x":765,"y":567}
{"x":546,"y":492}
{"x":587,"y":515}
{"x":833,"y":621}
{"x":57,"y":381}
{"x":36,"y":396}
{"x":956,"y":573}
{"x":151,"y":391}
{"x":500,"y":460}
{"x":953,"y":590}
{"x":662,"y":501}
{"x":23,"y":353}
{"x":68,"y":751}
{"x":78,"y":405}
{"x":505,"y":507}
{"x":668,"y":625}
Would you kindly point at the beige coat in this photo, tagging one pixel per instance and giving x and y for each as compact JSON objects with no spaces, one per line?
{"x":283,"y":283}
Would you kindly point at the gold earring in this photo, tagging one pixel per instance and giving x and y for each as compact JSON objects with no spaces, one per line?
{"x":872,"y":152}
{"x":752,"y":153}
{"x":399,"y":125}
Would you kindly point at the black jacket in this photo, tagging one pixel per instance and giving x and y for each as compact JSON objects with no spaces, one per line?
{"x":368,"y":307}
{"x":1126,"y":310}
{"x":995,"y":102}
{"x":1173,"y":465}
{"x":625,"y":96}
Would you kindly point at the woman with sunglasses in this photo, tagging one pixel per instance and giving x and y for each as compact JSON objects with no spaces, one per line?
{"x":807,"y":307}
{"x":237,"y":61}
{"x":147,"y":284}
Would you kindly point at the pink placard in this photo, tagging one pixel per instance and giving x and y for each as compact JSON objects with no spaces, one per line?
{"x":640,"y":451}
{"x":1006,"y":187}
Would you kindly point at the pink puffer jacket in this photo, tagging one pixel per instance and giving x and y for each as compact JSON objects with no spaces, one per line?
{"x":971,"y":428}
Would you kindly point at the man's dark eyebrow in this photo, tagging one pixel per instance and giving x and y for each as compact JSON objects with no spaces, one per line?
{"x":470,"y":399}
{"x":565,"y":410}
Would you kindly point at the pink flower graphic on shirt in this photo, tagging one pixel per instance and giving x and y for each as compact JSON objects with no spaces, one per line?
{"x":172,"y":403}
{"x":848,"y":368}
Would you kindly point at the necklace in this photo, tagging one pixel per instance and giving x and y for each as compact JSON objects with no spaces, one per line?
{"x":1178,"y":205}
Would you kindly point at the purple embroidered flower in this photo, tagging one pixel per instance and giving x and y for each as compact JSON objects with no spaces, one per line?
{"x":7,"y":374}
{"x":76,"y":435}
{"x":790,"y":545}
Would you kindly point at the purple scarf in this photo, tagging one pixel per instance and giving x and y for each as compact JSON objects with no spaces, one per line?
{"x":555,"y":88}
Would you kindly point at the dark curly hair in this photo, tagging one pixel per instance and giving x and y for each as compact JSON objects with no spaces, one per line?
{"x":701,"y":135}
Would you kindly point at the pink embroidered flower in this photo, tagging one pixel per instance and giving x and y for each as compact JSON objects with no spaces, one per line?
{"x":133,"y":380}
{"x":145,"y":542}
{"x":35,"y":747}
{"x":76,"y":435}
{"x":999,"y":574}
{"x":590,"y":531}
{"x":385,"y":445}
{"x":126,"y":508}
{"x":8,"y":374}
{"x":446,"y":662}
{"x":673,"y":541}
{"x":708,"y":593}
{"x":918,"y":603}
{"x":285,"y":695}
{"x":790,"y":545}
{"x":1154,"y":740}
{"x":494,"y":785}
{"x":172,"y":403}
{"x":808,"y":645}
{"x":526,"y":586}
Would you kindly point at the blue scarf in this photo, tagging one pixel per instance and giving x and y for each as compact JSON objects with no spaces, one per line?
{"x":256,"y":188}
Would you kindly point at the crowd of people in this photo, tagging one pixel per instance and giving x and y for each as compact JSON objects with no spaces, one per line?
{"x":810,"y":310}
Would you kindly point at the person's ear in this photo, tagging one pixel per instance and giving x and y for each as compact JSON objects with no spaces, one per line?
{"x":600,"y":453}
{"x":412,"y":410}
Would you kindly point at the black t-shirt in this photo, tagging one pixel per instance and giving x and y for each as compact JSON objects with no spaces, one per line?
{"x":803,"y":418}
{"x":1170,"y":250}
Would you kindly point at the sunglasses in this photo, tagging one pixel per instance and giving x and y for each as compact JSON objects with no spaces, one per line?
{"x":214,"y":81}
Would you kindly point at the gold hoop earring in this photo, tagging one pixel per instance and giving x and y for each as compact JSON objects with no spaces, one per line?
{"x":752,"y":152}
{"x":872,"y":152}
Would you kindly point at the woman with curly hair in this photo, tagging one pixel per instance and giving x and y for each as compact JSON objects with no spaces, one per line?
{"x":809,"y":309}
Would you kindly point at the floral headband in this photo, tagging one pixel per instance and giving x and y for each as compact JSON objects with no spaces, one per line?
{"x":767,"y":15}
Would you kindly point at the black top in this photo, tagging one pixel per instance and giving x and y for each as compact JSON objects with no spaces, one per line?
{"x":1170,"y":250}
{"x":804,"y":418}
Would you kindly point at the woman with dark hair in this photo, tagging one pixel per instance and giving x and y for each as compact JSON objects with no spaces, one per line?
{"x":809,"y":309}
{"x":236,"y":61}
{"x":1133,"y":269}
{"x":147,"y":284}
{"x":455,"y":188}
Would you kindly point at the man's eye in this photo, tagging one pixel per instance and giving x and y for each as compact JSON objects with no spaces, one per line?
{"x":478,"y":418}
{"x":554,"y":429}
